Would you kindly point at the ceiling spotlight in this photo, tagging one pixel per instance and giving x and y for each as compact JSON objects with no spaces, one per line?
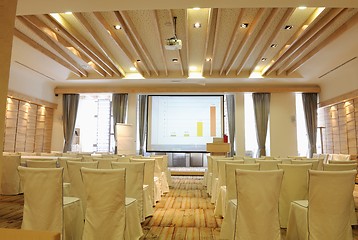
{"x":197,"y":25}
{"x":274,"y":45}
{"x":263,"y":59}
{"x":138,"y":60}
{"x":117,"y":27}
{"x":208,"y":59}
{"x":175,"y":60}
{"x":244,"y":25}
{"x":288,"y":27}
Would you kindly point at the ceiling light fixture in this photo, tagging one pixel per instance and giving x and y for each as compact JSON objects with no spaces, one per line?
{"x":133,"y":69}
{"x":117,"y":27}
{"x":244,"y":25}
{"x":175,"y":60}
{"x":288,"y":27}
{"x":263,"y":59}
{"x":196,"y":8}
{"x":193,"y":68}
{"x":302,"y":7}
{"x":68,"y":13}
{"x":138,"y":60}
{"x":197,"y":25}
{"x":208,"y":59}
{"x":274,"y":45}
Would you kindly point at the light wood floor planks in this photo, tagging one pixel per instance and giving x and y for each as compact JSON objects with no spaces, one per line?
{"x":183,"y":213}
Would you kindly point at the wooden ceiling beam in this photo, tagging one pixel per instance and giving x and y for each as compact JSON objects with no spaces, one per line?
{"x":325,"y":42}
{"x":233,"y":40}
{"x":249,"y":52}
{"x":215,"y":41}
{"x":191,"y":89}
{"x":53,"y":44}
{"x":82,"y":44}
{"x":64,"y":43}
{"x":304,"y":38}
{"x":47,"y":52}
{"x":243,"y":42}
{"x":81,"y":18}
{"x":159,"y":39}
{"x":133,"y":40}
{"x":274,"y":34}
{"x":210,"y":38}
{"x":297,"y":54}
{"x":117,"y":41}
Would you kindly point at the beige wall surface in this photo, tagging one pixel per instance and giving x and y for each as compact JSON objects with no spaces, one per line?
{"x":283,"y":125}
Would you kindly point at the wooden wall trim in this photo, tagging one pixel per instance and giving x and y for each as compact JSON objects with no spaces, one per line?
{"x":29,"y":99}
{"x":189,"y":89}
{"x":338,"y":99}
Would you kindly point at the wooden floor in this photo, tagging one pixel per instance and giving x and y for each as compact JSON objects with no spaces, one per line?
{"x":183,"y":213}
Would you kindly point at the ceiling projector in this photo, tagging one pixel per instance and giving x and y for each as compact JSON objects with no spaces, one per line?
{"x":173,"y":44}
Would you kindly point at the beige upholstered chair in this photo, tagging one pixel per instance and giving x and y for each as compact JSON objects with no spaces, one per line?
{"x":63,"y":163}
{"x":41,"y":163}
{"x":135,"y":188}
{"x":109,"y":214}
{"x":326,"y":214}
{"x":45,"y":208}
{"x":10,"y":181}
{"x":105,"y":163}
{"x":254,"y":218}
{"x":315,"y":163}
{"x":294,"y":187}
{"x":268,"y":164}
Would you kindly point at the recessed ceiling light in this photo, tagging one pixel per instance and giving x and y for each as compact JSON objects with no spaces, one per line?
{"x":117,"y":27}
{"x":133,"y":69}
{"x":197,"y":25}
{"x":196,"y":8}
{"x":288,"y":27}
{"x":274,"y":45}
{"x":263,"y":59}
{"x":208,"y":59}
{"x":68,"y":12}
{"x":175,"y":60}
{"x":244,"y":25}
{"x":302,"y":7}
{"x":138,"y":60}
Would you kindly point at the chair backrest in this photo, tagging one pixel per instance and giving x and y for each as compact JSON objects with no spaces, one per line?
{"x":257,"y":215}
{"x":342,"y":161}
{"x":105,"y":163}
{"x":149,"y":166}
{"x":222,"y":169}
{"x":41,"y":163}
{"x":339,"y":167}
{"x":123,"y":159}
{"x":62,"y":162}
{"x":134,"y":181}
{"x":43,"y":198}
{"x":294,"y":187}
{"x":305,"y":161}
{"x":268,"y":164}
{"x":105,"y":193}
{"x":329,"y":197}
{"x":230,"y":177}
{"x":74,"y":173}
{"x":10,"y":181}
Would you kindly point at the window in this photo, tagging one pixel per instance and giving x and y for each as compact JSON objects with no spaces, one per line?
{"x":302,"y":139}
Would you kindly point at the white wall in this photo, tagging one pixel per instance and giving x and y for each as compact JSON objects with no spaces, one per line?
{"x":283,"y":134}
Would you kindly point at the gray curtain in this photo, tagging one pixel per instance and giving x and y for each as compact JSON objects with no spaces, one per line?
{"x":142,"y":122}
{"x":70,"y":106}
{"x":262,"y":112}
{"x":310,"y":109}
{"x":230,"y":105}
{"x":119,"y":108}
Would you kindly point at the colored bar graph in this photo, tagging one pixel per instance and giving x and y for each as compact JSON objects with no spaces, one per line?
{"x":212,"y":121}
{"x":199,"y":129}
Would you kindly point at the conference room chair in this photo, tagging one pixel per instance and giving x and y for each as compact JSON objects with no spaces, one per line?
{"x":10,"y":181}
{"x":135,"y":187}
{"x":255,"y":207}
{"x":221,"y":187}
{"x":62,"y":161}
{"x":41,"y":163}
{"x":315,"y":163}
{"x":215,"y":173}
{"x":105,"y":162}
{"x":229,"y":192}
{"x":326,"y":213}
{"x":160,"y":172}
{"x":74,"y":173}
{"x":45,"y":208}
{"x":153,"y":184}
{"x":109,"y":214}
{"x":342,"y":161}
{"x":294,"y":187}
{"x":268,"y":164}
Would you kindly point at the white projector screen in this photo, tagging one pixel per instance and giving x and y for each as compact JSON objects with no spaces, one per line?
{"x":183,"y":123}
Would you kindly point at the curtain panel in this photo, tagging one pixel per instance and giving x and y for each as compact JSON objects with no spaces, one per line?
{"x":119,"y":109}
{"x":262,"y":112}
{"x":142,"y":122}
{"x":70,"y":107}
{"x":310,"y":110}
{"x":230,"y":105}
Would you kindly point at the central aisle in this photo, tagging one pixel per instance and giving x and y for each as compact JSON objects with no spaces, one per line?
{"x":183,"y":213}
